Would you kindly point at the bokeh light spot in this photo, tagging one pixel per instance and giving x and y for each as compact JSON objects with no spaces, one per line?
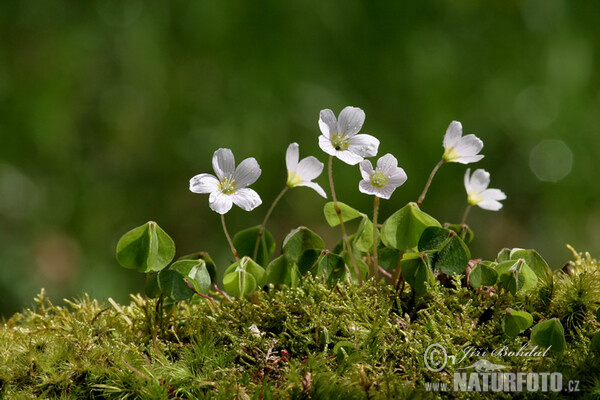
{"x":551,"y":160}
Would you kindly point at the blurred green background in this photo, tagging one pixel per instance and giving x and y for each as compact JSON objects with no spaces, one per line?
{"x":108,"y":107}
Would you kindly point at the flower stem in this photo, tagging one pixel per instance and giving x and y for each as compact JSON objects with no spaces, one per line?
{"x":422,"y":196}
{"x":261,"y":230}
{"x":464,"y":218}
{"x":339,"y":213}
{"x":375,"y":259}
{"x":233,"y":250}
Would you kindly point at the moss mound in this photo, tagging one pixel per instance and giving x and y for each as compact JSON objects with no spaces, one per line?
{"x":315,"y":341}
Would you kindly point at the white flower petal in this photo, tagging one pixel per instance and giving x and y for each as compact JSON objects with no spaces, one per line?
{"x":385,"y":193}
{"x":364,"y":145}
{"x":348,"y":157}
{"x":467,"y":180}
{"x":246,"y":173}
{"x":493,"y":194}
{"x":480,"y":180}
{"x":365,"y":187}
{"x":351,"y":120}
{"x":453,"y":134}
{"x":316,"y":187}
{"x":223,"y":163}
{"x":291,"y":157}
{"x":220,"y":202}
{"x":246,"y":199}
{"x":469,"y":159}
{"x":309,"y":168}
{"x":366,"y":169}
{"x":327,"y":123}
{"x":204,"y":183}
{"x":468,"y":146}
{"x":397,"y":178}
{"x":387,"y":164}
{"x":326,"y":146}
{"x":491,"y":205}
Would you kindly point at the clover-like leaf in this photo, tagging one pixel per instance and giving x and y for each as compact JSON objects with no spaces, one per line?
{"x":298,"y":241}
{"x":453,"y":257}
{"x":515,"y":275}
{"x":196,"y":272}
{"x":245,"y":243}
{"x":348,"y":213}
{"x":534,"y":260}
{"x":482,"y":275}
{"x":417,"y":272}
{"x":243,"y":277}
{"x":516,"y":322}
{"x":282,"y":272}
{"x":363,"y":240}
{"x":204,"y":256}
{"x":503,"y":255}
{"x":152,"y":290}
{"x":549,"y":333}
{"x":145,"y":248}
{"x":172,"y":284}
{"x":463,"y":231}
{"x":403,"y":229}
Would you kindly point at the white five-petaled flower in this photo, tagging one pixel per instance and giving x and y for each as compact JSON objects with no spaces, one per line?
{"x":303,"y":172}
{"x":461,"y":149}
{"x":477,"y":192}
{"x":230,"y":185}
{"x":383,"y":180}
{"x":340,"y":139}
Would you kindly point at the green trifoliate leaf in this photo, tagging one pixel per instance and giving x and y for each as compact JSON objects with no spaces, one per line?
{"x":196,"y":272}
{"x":417,"y":272}
{"x":463,"y":231}
{"x":595,"y":343}
{"x":145,"y":248}
{"x":172,"y":284}
{"x":534,"y":260}
{"x":364,"y":236}
{"x":298,"y":241}
{"x":245,"y":243}
{"x":389,"y":258}
{"x":308,"y":260}
{"x":403,"y":229}
{"x":363,"y":269}
{"x":152,"y":290}
{"x":515,"y":275}
{"x":516,"y":322}
{"x":483,"y":275}
{"x":243,"y":277}
{"x":348,"y":213}
{"x":204,"y":256}
{"x":551,"y":334}
{"x":331,"y":266}
{"x":281,"y":272}
{"x":503,"y":255}
{"x":433,"y":238}
{"x":453,"y":257}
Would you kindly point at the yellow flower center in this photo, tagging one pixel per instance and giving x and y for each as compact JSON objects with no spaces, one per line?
{"x":474,"y":198}
{"x":227,"y":185}
{"x":340,"y":142}
{"x":450,"y":155}
{"x":379,"y":179}
{"x":293,"y":179}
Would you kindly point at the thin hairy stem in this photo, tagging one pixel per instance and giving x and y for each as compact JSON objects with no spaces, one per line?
{"x":339,"y":214}
{"x":233,"y":250}
{"x":464,"y":218}
{"x":375,"y":255}
{"x":422,"y":196}
{"x":261,"y":230}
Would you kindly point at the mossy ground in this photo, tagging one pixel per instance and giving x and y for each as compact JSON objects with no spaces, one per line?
{"x":315,"y":341}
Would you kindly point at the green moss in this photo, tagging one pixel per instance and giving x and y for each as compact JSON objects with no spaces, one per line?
{"x":280,"y":343}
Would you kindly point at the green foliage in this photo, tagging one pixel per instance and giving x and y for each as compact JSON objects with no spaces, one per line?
{"x":243,"y":277}
{"x":403,"y":229}
{"x":417,"y":272}
{"x":331,"y":215}
{"x":595,"y":343}
{"x":483,"y":275}
{"x":515,"y":276}
{"x":245,"y":243}
{"x":516,"y":322}
{"x":145,"y":248}
{"x":551,"y":334}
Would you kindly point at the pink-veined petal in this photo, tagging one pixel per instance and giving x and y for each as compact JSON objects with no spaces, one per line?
{"x":387,"y":164}
{"x":291,"y":157}
{"x":348,"y":157}
{"x":327,"y":123}
{"x":246,"y":173}
{"x":309,"y":168}
{"x":385,"y":192}
{"x":223,"y":163}
{"x":219,"y":202}
{"x":204,"y":183}
{"x":453,"y":134}
{"x":364,"y":145}
{"x":315,"y":186}
{"x":366,"y":169}
{"x":350,"y":121}
{"x":326,"y":146}
{"x":246,"y":199}
{"x":480,"y":180}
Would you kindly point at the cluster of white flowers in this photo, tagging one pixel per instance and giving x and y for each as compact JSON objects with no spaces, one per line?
{"x":340,"y":138}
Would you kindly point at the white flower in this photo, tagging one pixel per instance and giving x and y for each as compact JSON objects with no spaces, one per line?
{"x":339,"y":137}
{"x":461,"y":149}
{"x":383,"y":180}
{"x":303,"y":172}
{"x":477,"y":192}
{"x":229,"y":186}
